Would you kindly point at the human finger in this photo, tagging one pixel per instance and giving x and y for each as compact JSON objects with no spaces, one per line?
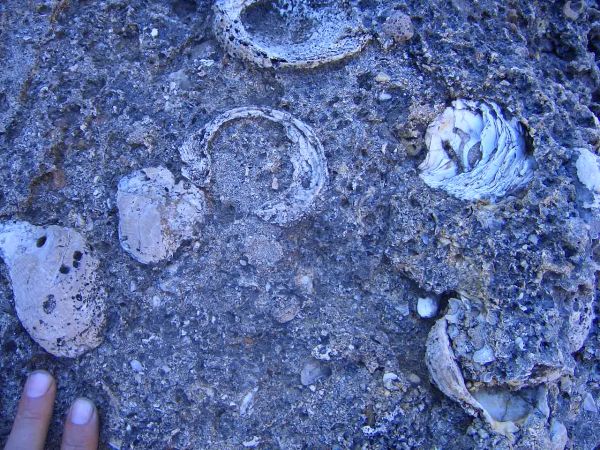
{"x":81,"y":427}
{"x":34,"y":413}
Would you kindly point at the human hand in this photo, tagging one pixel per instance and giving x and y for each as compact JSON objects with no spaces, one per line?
{"x":35,"y":410}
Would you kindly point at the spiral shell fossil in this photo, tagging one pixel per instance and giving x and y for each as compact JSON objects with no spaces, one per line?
{"x":308,"y":160}
{"x":335,"y":32}
{"x":53,"y":276}
{"x":475,"y":153}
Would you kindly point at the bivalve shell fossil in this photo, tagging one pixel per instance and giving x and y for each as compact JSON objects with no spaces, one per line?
{"x":156,"y":214}
{"x":475,"y":153}
{"x":54,"y":281}
{"x":321,"y":34}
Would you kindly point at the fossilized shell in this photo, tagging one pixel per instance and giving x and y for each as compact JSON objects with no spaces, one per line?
{"x":309,"y":163}
{"x":339,"y":34}
{"x":447,"y":376}
{"x":155,"y":214}
{"x":53,"y":276}
{"x":588,"y":172}
{"x":475,"y":153}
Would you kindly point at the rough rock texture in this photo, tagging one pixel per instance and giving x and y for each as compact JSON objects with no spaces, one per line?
{"x":257,"y":335}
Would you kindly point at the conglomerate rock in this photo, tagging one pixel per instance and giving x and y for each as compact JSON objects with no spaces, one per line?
{"x":259,"y":329}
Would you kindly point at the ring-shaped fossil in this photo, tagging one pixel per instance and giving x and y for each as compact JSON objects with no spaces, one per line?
{"x":308,"y":161}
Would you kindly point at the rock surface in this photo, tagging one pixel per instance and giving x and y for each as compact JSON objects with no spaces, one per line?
{"x":91,"y":92}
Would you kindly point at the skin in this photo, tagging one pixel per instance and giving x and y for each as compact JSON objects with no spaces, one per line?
{"x":35,"y":411}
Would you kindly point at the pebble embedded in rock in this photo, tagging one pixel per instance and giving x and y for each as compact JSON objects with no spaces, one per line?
{"x":558,"y":435}
{"x":589,"y":404}
{"x":588,"y":173}
{"x":136,"y":365}
{"x":484,"y":355}
{"x":313,"y":371}
{"x":397,"y":28}
{"x":427,"y":307}
{"x":389,"y":380}
{"x":285,"y":308}
{"x":262,"y":250}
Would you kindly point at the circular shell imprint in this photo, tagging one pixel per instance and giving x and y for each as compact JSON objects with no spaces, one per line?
{"x":309,"y":163}
{"x":475,"y":153}
{"x":53,"y":277}
{"x":155,"y":214}
{"x":338,"y":35}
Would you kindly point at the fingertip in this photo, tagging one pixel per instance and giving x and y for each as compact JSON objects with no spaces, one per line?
{"x":82,"y":411}
{"x":34,"y":412}
{"x":38,"y":384}
{"x":81,"y":427}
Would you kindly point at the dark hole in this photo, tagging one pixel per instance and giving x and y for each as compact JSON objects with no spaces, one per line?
{"x":49,"y":304}
{"x":10,"y":347}
{"x":64,"y":269}
{"x":41,"y":241}
{"x":77,"y":255}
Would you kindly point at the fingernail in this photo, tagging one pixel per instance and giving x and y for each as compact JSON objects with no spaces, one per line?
{"x":81,"y":411}
{"x":38,"y":384}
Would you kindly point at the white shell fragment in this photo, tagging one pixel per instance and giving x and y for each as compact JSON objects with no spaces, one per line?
{"x":53,"y":276}
{"x":447,"y":376}
{"x":309,"y":163}
{"x":155,"y":214}
{"x":588,"y":172}
{"x":475,"y":153}
{"x":335,"y":33}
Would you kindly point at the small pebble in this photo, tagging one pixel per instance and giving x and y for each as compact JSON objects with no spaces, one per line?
{"x":589,"y":404}
{"x":313,"y":371}
{"x":382,"y":78}
{"x":252,"y":443}
{"x":384,"y":97}
{"x":397,"y":28}
{"x":558,"y":436}
{"x":285,"y":308}
{"x":389,"y":378}
{"x":154,"y":33}
{"x":414,"y":378}
{"x":136,"y":365}
{"x":427,"y":307}
{"x":484,"y":355}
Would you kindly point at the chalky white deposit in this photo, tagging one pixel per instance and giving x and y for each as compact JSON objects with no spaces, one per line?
{"x":588,"y":172}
